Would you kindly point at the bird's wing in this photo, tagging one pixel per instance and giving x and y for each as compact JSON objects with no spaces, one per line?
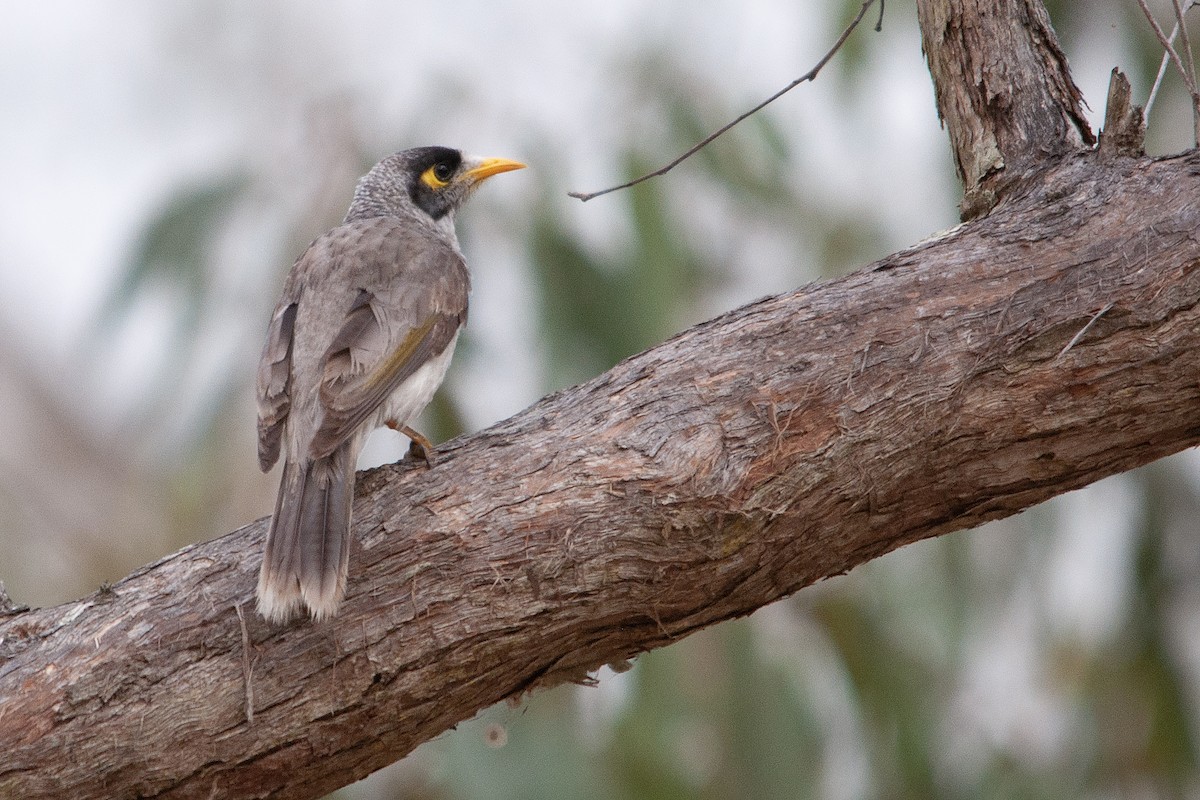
{"x":275,"y":381}
{"x":388,"y":333}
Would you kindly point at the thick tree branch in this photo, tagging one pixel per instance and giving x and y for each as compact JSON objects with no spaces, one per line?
{"x":1003,"y":91}
{"x":1043,"y":347}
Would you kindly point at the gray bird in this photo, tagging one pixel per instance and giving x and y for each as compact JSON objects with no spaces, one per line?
{"x":361,"y":337}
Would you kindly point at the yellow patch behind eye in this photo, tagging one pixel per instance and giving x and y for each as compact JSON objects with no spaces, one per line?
{"x":431,"y":180}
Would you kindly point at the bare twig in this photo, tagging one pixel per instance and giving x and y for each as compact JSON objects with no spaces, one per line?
{"x":1162,"y":71}
{"x":1188,"y":58}
{"x":808,"y":76}
{"x":1186,"y":72}
{"x":1083,"y":331}
{"x":1191,"y":67}
{"x":247,"y":667}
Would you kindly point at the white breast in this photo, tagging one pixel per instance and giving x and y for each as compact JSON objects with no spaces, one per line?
{"x":411,"y":396}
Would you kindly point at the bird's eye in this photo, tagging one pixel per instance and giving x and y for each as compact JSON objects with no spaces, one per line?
{"x":438,"y":175}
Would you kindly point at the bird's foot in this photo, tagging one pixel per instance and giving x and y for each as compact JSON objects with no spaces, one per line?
{"x":419,"y":448}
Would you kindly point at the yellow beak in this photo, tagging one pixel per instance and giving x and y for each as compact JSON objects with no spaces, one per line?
{"x":487,"y":167}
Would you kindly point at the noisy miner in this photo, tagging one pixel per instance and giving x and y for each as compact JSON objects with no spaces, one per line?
{"x":361,"y":337}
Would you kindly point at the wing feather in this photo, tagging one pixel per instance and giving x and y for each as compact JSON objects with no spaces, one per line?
{"x":274,"y":384}
{"x":386,"y":336}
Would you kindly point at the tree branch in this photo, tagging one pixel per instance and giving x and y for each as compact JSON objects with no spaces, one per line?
{"x":811,"y":75}
{"x":1003,"y":91}
{"x":1031,"y":352}
{"x":1185,"y":66}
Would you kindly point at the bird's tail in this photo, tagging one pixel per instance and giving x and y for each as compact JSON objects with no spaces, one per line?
{"x":309,"y":541}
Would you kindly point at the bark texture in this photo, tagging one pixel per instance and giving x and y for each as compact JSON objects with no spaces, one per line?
{"x":1004,"y":92}
{"x":1046,"y":346}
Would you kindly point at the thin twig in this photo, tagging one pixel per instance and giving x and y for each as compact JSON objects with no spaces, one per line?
{"x":1163,"y":40}
{"x":1191,"y":65}
{"x":1075,"y":339}
{"x":1188,"y":59}
{"x":808,"y":76}
{"x":1166,"y":59}
{"x":1162,"y":71}
{"x":247,"y":667}
{"x":1188,"y":78}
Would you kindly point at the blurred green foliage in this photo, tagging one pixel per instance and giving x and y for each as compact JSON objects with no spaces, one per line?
{"x":173,"y":256}
{"x":595,"y":310}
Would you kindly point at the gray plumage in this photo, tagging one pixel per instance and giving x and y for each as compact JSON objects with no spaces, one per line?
{"x":361,"y":337}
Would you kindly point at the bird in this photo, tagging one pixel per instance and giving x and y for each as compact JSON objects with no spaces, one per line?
{"x":361,"y":337}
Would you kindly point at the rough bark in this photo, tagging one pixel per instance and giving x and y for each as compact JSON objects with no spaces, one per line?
{"x":1003,"y":91}
{"x":1124,"y":131}
{"x":1046,"y":346}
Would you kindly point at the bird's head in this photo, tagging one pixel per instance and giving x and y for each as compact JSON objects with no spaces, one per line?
{"x":432,"y":180}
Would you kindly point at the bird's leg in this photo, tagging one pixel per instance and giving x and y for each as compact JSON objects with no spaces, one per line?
{"x":419,"y":447}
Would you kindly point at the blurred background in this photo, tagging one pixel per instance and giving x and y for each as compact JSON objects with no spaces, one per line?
{"x":164,"y":163}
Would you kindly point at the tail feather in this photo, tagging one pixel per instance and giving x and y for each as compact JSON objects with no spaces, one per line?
{"x":308,"y":546}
